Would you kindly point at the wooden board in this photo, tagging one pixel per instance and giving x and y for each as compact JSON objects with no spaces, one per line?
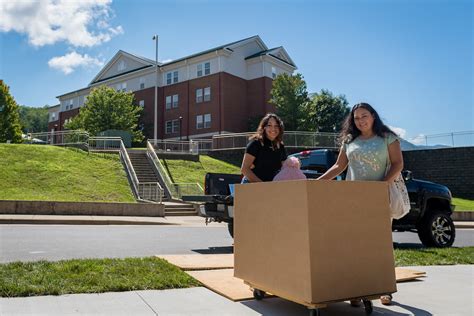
{"x":224,"y":283}
{"x":200,"y":262}
{"x":403,"y":274}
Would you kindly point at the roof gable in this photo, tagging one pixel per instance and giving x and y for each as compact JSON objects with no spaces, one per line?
{"x":122,"y":63}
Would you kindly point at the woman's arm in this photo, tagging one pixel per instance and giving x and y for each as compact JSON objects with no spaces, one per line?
{"x":337,"y":168}
{"x":396,"y":161}
{"x":246,"y":170}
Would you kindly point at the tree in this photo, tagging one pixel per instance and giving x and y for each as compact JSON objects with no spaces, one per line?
{"x":290,"y":97}
{"x":326,"y":112}
{"x":107,"y":109}
{"x":10,"y":128}
{"x":34,"y":120}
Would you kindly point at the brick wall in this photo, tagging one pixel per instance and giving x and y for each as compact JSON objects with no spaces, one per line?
{"x":453,"y":167}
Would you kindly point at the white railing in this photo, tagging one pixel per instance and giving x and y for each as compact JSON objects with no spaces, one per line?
{"x":148,"y":191}
{"x":295,"y":139}
{"x":104,"y":143}
{"x":59,"y":138}
{"x":454,"y":139}
{"x":162,"y":170}
{"x":189,"y":189}
{"x":176,"y":146}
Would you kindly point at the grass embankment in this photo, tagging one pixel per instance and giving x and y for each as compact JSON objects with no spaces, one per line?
{"x":49,"y":173}
{"x":463,"y":204}
{"x":434,"y":256}
{"x":106,"y":275}
{"x":90,"y":276}
{"x":185,"y":171}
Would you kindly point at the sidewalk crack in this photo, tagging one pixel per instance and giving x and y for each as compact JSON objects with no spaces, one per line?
{"x":146,"y":303}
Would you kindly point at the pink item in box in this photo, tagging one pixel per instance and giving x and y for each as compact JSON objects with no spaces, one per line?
{"x":290,"y":170}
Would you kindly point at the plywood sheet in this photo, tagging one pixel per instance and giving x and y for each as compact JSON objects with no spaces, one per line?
{"x":404,"y":274}
{"x":200,"y":262}
{"x":224,"y":283}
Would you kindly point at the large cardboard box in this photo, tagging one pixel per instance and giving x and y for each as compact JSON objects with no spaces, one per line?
{"x":314,"y":241}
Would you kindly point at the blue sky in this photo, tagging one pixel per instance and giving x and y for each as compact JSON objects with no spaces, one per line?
{"x":412,"y":60}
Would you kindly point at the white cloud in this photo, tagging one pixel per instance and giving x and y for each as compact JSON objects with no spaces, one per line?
{"x":81,"y":23}
{"x":399,"y":131}
{"x":420,"y":139}
{"x":68,"y":62}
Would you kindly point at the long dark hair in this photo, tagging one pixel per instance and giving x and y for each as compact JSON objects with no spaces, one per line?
{"x":350,"y":131}
{"x":261,"y":135}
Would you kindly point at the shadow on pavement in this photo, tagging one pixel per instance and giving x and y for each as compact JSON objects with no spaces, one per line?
{"x":415,"y":311}
{"x":215,"y":250}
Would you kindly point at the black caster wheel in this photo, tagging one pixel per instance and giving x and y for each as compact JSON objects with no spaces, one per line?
{"x":369,"y":308}
{"x":258,"y":294}
{"x":314,"y":312}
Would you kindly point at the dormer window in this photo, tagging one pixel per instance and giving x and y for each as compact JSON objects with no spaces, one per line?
{"x":172,"y":77}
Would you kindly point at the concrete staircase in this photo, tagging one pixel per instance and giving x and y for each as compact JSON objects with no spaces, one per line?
{"x":143,"y":168}
{"x":179,"y":209}
{"x":146,"y":173}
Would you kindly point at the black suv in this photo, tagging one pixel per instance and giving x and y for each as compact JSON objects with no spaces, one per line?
{"x":431,"y":208}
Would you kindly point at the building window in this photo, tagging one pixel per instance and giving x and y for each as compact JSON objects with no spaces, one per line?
{"x":175,"y":101}
{"x":122,"y":87}
{"x":53,"y":116}
{"x":168,"y":78}
{"x":168,"y":102}
{"x":198,"y":95}
{"x":274,"y":72}
{"x":169,"y":127}
{"x":175,"y":76}
{"x":207,"y":94}
{"x":207,"y":120}
{"x":142,"y":83}
{"x":203,"y":121}
{"x":141,"y":103}
{"x":175,"y":126}
{"x":204,"y":66}
{"x":199,"y":122}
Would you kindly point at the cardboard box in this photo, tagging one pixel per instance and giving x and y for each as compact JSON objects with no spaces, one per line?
{"x":314,"y":241}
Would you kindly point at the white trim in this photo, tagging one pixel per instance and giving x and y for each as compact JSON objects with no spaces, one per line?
{"x":114,"y":59}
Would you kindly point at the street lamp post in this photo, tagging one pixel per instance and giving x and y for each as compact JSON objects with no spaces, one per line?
{"x":155,"y":131}
{"x":180,"y":127}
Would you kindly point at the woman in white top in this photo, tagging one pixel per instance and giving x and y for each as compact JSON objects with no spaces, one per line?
{"x":367,"y":147}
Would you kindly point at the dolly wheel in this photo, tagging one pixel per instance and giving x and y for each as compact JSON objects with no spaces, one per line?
{"x":258,"y":294}
{"x":314,"y":312}
{"x":369,"y":308}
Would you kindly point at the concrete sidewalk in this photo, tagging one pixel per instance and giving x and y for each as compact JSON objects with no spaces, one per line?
{"x":124,"y":220}
{"x":447,"y":290}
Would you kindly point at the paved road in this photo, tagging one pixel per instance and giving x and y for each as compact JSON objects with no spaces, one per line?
{"x":56,"y":242}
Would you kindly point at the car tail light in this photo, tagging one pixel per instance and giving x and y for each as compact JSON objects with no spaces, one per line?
{"x":305,"y":153}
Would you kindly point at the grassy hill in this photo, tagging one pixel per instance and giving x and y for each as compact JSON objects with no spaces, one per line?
{"x":184,"y":171}
{"x":35,"y":172}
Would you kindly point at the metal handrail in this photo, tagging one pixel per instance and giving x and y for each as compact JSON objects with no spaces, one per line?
{"x":161,"y":169}
{"x":129,"y":168}
{"x":189,"y":189}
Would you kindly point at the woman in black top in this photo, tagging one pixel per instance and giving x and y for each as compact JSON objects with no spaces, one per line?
{"x":264,"y":154}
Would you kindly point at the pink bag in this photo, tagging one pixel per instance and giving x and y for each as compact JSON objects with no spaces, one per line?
{"x":290,"y":170}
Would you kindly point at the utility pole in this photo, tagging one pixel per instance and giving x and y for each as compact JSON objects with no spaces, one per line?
{"x":155,"y":131}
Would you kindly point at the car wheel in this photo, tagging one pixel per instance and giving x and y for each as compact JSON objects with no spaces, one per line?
{"x":230,"y":227}
{"x":437,"y":230}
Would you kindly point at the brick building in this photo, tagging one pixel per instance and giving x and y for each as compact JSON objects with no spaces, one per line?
{"x":211,"y":92}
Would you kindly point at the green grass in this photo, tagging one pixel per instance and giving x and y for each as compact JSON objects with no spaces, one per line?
{"x":116,"y":275}
{"x":185,"y":171}
{"x":434,"y":256}
{"x":49,"y":173}
{"x":90,"y":276}
{"x":463,"y":204}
